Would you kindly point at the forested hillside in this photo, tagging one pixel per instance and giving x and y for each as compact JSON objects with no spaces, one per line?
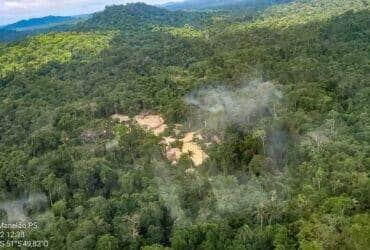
{"x":36,"y":23}
{"x":34,"y":26}
{"x":219,"y":4}
{"x":140,"y":16}
{"x":280,"y":98}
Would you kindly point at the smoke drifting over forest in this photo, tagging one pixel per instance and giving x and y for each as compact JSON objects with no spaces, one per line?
{"x":219,"y":107}
{"x":146,"y":128}
{"x":16,"y":209}
{"x":225,"y":195}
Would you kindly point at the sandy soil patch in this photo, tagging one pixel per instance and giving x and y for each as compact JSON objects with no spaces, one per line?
{"x":173,"y":155}
{"x":197,"y":155}
{"x":189,"y":146}
{"x":191,"y":136}
{"x":168,"y":141}
{"x":155,"y":123}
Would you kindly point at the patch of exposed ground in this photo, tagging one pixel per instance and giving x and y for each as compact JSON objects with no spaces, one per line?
{"x":197,"y":155}
{"x":156,"y":124}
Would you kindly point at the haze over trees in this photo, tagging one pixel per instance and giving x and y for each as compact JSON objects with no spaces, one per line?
{"x":220,"y":4}
{"x":34,"y":26}
{"x":281,"y":93}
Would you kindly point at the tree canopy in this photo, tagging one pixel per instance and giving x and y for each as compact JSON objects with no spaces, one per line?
{"x":280,"y":93}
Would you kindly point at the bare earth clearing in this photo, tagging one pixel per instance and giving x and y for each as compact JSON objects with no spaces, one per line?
{"x":156,"y":124}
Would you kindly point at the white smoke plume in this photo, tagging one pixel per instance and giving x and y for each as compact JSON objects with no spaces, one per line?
{"x":232,"y":196}
{"x":169,"y":194}
{"x":219,"y":107}
{"x":16,"y":209}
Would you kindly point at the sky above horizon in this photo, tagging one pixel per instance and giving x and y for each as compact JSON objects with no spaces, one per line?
{"x":14,"y":10}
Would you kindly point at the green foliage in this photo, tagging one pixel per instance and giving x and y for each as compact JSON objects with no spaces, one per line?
{"x":140,"y":15}
{"x":186,"y":31}
{"x":121,"y":131}
{"x":55,"y":47}
{"x":107,"y":242}
{"x":59,"y":208}
{"x":295,"y":176}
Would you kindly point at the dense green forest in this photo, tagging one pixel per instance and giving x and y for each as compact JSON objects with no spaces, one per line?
{"x":220,"y":4}
{"x":34,"y":26}
{"x":37,"y":23}
{"x":285,"y":89}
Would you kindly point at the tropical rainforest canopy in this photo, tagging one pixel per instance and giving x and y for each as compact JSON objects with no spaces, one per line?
{"x":284,"y":89}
